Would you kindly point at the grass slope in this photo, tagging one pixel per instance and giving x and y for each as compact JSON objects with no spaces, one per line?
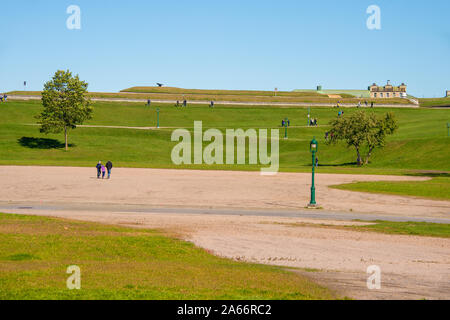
{"x":228,"y":95}
{"x":125,"y":263}
{"x":424,"y":229}
{"x":437,"y":188}
{"x":421,"y":143}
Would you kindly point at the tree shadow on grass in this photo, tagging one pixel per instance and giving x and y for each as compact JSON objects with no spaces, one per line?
{"x":348,"y":164}
{"x":430,"y":173}
{"x":41,"y":143}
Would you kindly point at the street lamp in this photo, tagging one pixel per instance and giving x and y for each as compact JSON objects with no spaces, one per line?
{"x":157,"y":118}
{"x":313,"y":149}
{"x":286,"y":121}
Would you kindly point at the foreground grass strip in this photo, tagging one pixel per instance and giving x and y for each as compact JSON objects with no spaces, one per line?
{"x":426,"y":229}
{"x":126,"y":263}
{"x":436,"y":188}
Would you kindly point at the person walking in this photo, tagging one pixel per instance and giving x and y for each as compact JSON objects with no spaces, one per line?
{"x":317,"y":162}
{"x":371,"y":104}
{"x":103,"y":171}
{"x":212,"y":104}
{"x":184,"y":103}
{"x":109,"y":166}
{"x":99,"y":169}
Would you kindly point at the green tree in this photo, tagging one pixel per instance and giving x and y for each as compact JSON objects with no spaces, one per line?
{"x":364,"y":131}
{"x":65,"y":104}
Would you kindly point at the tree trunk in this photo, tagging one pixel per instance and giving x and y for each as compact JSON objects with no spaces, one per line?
{"x":366,"y":161}
{"x":358,"y":159}
{"x":65,"y":135}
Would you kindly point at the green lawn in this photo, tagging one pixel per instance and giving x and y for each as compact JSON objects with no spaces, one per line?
{"x":425,"y":229}
{"x":126,"y":263}
{"x":435,"y":102}
{"x":437,"y":188}
{"x":421,"y":143}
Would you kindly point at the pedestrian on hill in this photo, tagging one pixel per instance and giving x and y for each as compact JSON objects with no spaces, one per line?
{"x":178,"y":104}
{"x":103,"y":171}
{"x":184,"y":103}
{"x":366,"y":103}
{"x":371,"y":104}
{"x":149,"y":102}
{"x":212,"y":104}
{"x":99,"y":169}
{"x":317,"y":162}
{"x":109,"y":166}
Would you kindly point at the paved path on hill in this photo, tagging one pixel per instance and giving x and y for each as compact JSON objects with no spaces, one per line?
{"x":204,"y":102}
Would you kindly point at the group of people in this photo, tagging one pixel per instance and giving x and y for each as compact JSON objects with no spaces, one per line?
{"x":183,"y":105}
{"x":285,"y":123}
{"x":3,"y":97}
{"x":366,"y":103}
{"x":338,"y":105}
{"x":313,"y":122}
{"x":340,"y":113}
{"x":101,"y":169}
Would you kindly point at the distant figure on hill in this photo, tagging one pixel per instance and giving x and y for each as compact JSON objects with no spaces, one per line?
{"x":371,"y":104}
{"x":109,"y":166}
{"x":178,"y":104}
{"x":149,"y":102}
{"x":339,"y":113}
{"x":5,"y":97}
{"x":103,"y":171}
{"x":212,"y":104}
{"x":99,"y":169}
{"x":366,"y":103}
{"x":326,"y":135}
{"x":282,"y":123}
{"x":317,"y":161}
{"x":184,"y":103}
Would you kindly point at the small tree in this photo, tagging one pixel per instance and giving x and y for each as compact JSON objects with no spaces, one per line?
{"x":364,"y":131}
{"x":65,"y":104}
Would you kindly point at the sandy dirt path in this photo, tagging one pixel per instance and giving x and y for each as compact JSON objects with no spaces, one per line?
{"x":209,"y":189}
{"x":412,"y":267}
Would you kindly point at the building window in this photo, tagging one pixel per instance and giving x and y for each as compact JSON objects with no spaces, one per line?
{"x":381,"y":95}
{"x":387,"y":95}
{"x":375,"y":94}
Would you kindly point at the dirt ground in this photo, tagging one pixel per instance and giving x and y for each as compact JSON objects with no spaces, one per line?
{"x":412,"y":267}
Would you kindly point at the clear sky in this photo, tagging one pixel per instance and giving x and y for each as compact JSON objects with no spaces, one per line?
{"x":228,"y":44}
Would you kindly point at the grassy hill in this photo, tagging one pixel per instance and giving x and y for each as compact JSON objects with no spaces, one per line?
{"x":435,"y":102}
{"x":174,"y":94}
{"x":421,"y":143}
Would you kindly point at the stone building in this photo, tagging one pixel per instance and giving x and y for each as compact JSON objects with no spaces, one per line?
{"x":388,"y":91}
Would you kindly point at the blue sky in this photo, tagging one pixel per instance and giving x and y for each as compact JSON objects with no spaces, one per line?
{"x":228,"y":44}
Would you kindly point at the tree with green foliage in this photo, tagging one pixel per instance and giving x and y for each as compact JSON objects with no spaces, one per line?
{"x":364,"y":131}
{"x":65,"y":104}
